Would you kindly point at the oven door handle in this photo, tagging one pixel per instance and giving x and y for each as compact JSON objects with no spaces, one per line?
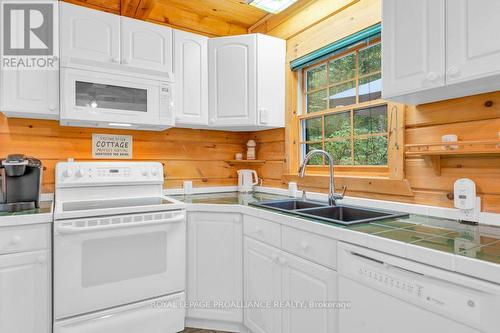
{"x":77,"y":230}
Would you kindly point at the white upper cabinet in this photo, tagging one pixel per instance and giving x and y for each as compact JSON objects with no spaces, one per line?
{"x":414,"y":45}
{"x":97,"y":39}
{"x":439,"y":49}
{"x":30,"y":93}
{"x":146,"y":46}
{"x":191,"y":79}
{"x":246,"y":82}
{"x":88,"y":37}
{"x":473,"y":39}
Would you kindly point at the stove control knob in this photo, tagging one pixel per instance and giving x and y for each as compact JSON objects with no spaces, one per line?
{"x":80,"y":173}
{"x":145,"y":172}
{"x":68,"y":173}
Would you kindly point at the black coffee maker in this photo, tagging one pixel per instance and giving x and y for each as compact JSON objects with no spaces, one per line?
{"x":21,"y":178}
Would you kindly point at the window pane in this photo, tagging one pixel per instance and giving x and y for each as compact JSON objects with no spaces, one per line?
{"x":370,"y":59}
{"x":338,"y":125}
{"x":343,"y":94}
{"x":312,"y":129}
{"x":317,"y":159}
{"x":340,"y":150}
{"x":370,"y":151}
{"x":370,"y":88}
{"x":316,"y":101}
{"x":316,"y":78}
{"x":372,"y":120}
{"x":342,"y":69}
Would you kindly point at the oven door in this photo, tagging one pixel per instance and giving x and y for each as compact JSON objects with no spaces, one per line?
{"x":97,"y":99}
{"x":109,"y":261}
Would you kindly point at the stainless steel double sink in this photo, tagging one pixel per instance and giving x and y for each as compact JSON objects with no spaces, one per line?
{"x":345,"y":215}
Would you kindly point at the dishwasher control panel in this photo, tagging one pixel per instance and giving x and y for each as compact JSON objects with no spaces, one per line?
{"x":429,"y":292}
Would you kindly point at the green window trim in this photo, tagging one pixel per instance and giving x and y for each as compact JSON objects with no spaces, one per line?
{"x":365,"y":35}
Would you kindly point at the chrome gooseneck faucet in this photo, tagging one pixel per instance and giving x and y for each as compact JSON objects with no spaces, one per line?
{"x":332,"y":195}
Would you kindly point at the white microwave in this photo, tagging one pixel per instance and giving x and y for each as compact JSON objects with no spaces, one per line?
{"x":97,"y":99}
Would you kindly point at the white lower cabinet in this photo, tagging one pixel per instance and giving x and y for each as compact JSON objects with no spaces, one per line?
{"x":214,"y":267}
{"x":263,"y":279}
{"x":285,"y":289}
{"x":25,"y":292}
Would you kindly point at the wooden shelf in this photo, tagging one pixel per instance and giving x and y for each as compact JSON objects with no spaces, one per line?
{"x":432,"y":152}
{"x":243,"y":162}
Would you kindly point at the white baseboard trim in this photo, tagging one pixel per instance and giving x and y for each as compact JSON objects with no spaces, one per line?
{"x":216,"y":325}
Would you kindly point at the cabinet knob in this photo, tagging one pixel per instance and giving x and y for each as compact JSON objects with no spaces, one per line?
{"x":52,"y":107}
{"x":432,"y":76}
{"x":453,"y":71}
{"x":304,"y":245}
{"x":212,"y":121}
{"x":274,"y":257}
{"x":126,"y":61}
{"x":42,"y":259}
{"x":237,"y":219}
{"x":15,"y":240}
{"x":259,"y":231}
{"x":282,"y":260}
{"x":115,"y":60}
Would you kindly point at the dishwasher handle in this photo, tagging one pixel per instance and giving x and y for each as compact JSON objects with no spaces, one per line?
{"x":71,"y":229}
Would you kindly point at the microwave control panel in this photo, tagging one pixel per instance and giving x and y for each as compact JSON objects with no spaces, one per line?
{"x":166,"y":103}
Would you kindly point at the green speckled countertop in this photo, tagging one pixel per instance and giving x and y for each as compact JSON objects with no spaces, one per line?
{"x":480,"y":242}
{"x":45,"y":207}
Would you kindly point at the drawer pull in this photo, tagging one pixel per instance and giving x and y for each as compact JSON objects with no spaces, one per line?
{"x":42,"y":259}
{"x":15,"y":240}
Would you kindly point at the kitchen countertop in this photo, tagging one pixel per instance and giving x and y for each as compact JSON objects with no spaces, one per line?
{"x":31,"y":216}
{"x":477,"y":242}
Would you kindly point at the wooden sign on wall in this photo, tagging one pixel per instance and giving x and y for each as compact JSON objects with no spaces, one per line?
{"x":111,"y":146}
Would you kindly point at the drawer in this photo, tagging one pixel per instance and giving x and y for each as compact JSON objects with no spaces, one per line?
{"x":263,"y":230}
{"x":310,"y":246}
{"x":24,"y":238}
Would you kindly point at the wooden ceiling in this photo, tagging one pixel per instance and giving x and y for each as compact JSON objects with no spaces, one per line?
{"x":209,"y":17}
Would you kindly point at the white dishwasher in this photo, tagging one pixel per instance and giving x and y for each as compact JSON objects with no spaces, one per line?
{"x":389,"y":294}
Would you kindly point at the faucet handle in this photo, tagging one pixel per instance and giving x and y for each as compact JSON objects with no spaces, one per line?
{"x":344,"y":188}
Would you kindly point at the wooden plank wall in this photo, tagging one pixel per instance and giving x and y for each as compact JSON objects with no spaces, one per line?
{"x":321,"y":23}
{"x":196,"y":155}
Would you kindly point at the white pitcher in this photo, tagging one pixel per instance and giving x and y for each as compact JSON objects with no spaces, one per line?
{"x":246,"y":180}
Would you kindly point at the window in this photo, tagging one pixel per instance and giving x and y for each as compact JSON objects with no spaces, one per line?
{"x":343,"y":113}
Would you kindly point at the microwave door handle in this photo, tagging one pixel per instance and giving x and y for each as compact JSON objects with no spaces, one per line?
{"x":77,"y":230}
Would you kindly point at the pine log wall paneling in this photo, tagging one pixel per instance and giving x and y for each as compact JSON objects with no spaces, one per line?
{"x":311,"y":24}
{"x":196,"y":155}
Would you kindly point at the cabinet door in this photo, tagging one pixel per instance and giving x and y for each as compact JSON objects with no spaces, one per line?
{"x":147,"y":46}
{"x":30,"y":93}
{"x":191,"y":78}
{"x":88,"y":36}
{"x":263,"y":282}
{"x":472,"y":40}
{"x":232,"y":77}
{"x":215,"y":264}
{"x":413,"y":46}
{"x":25,"y":293}
{"x":304,"y":281}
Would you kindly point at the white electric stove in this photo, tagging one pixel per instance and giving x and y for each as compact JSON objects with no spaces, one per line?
{"x":119,"y":250}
